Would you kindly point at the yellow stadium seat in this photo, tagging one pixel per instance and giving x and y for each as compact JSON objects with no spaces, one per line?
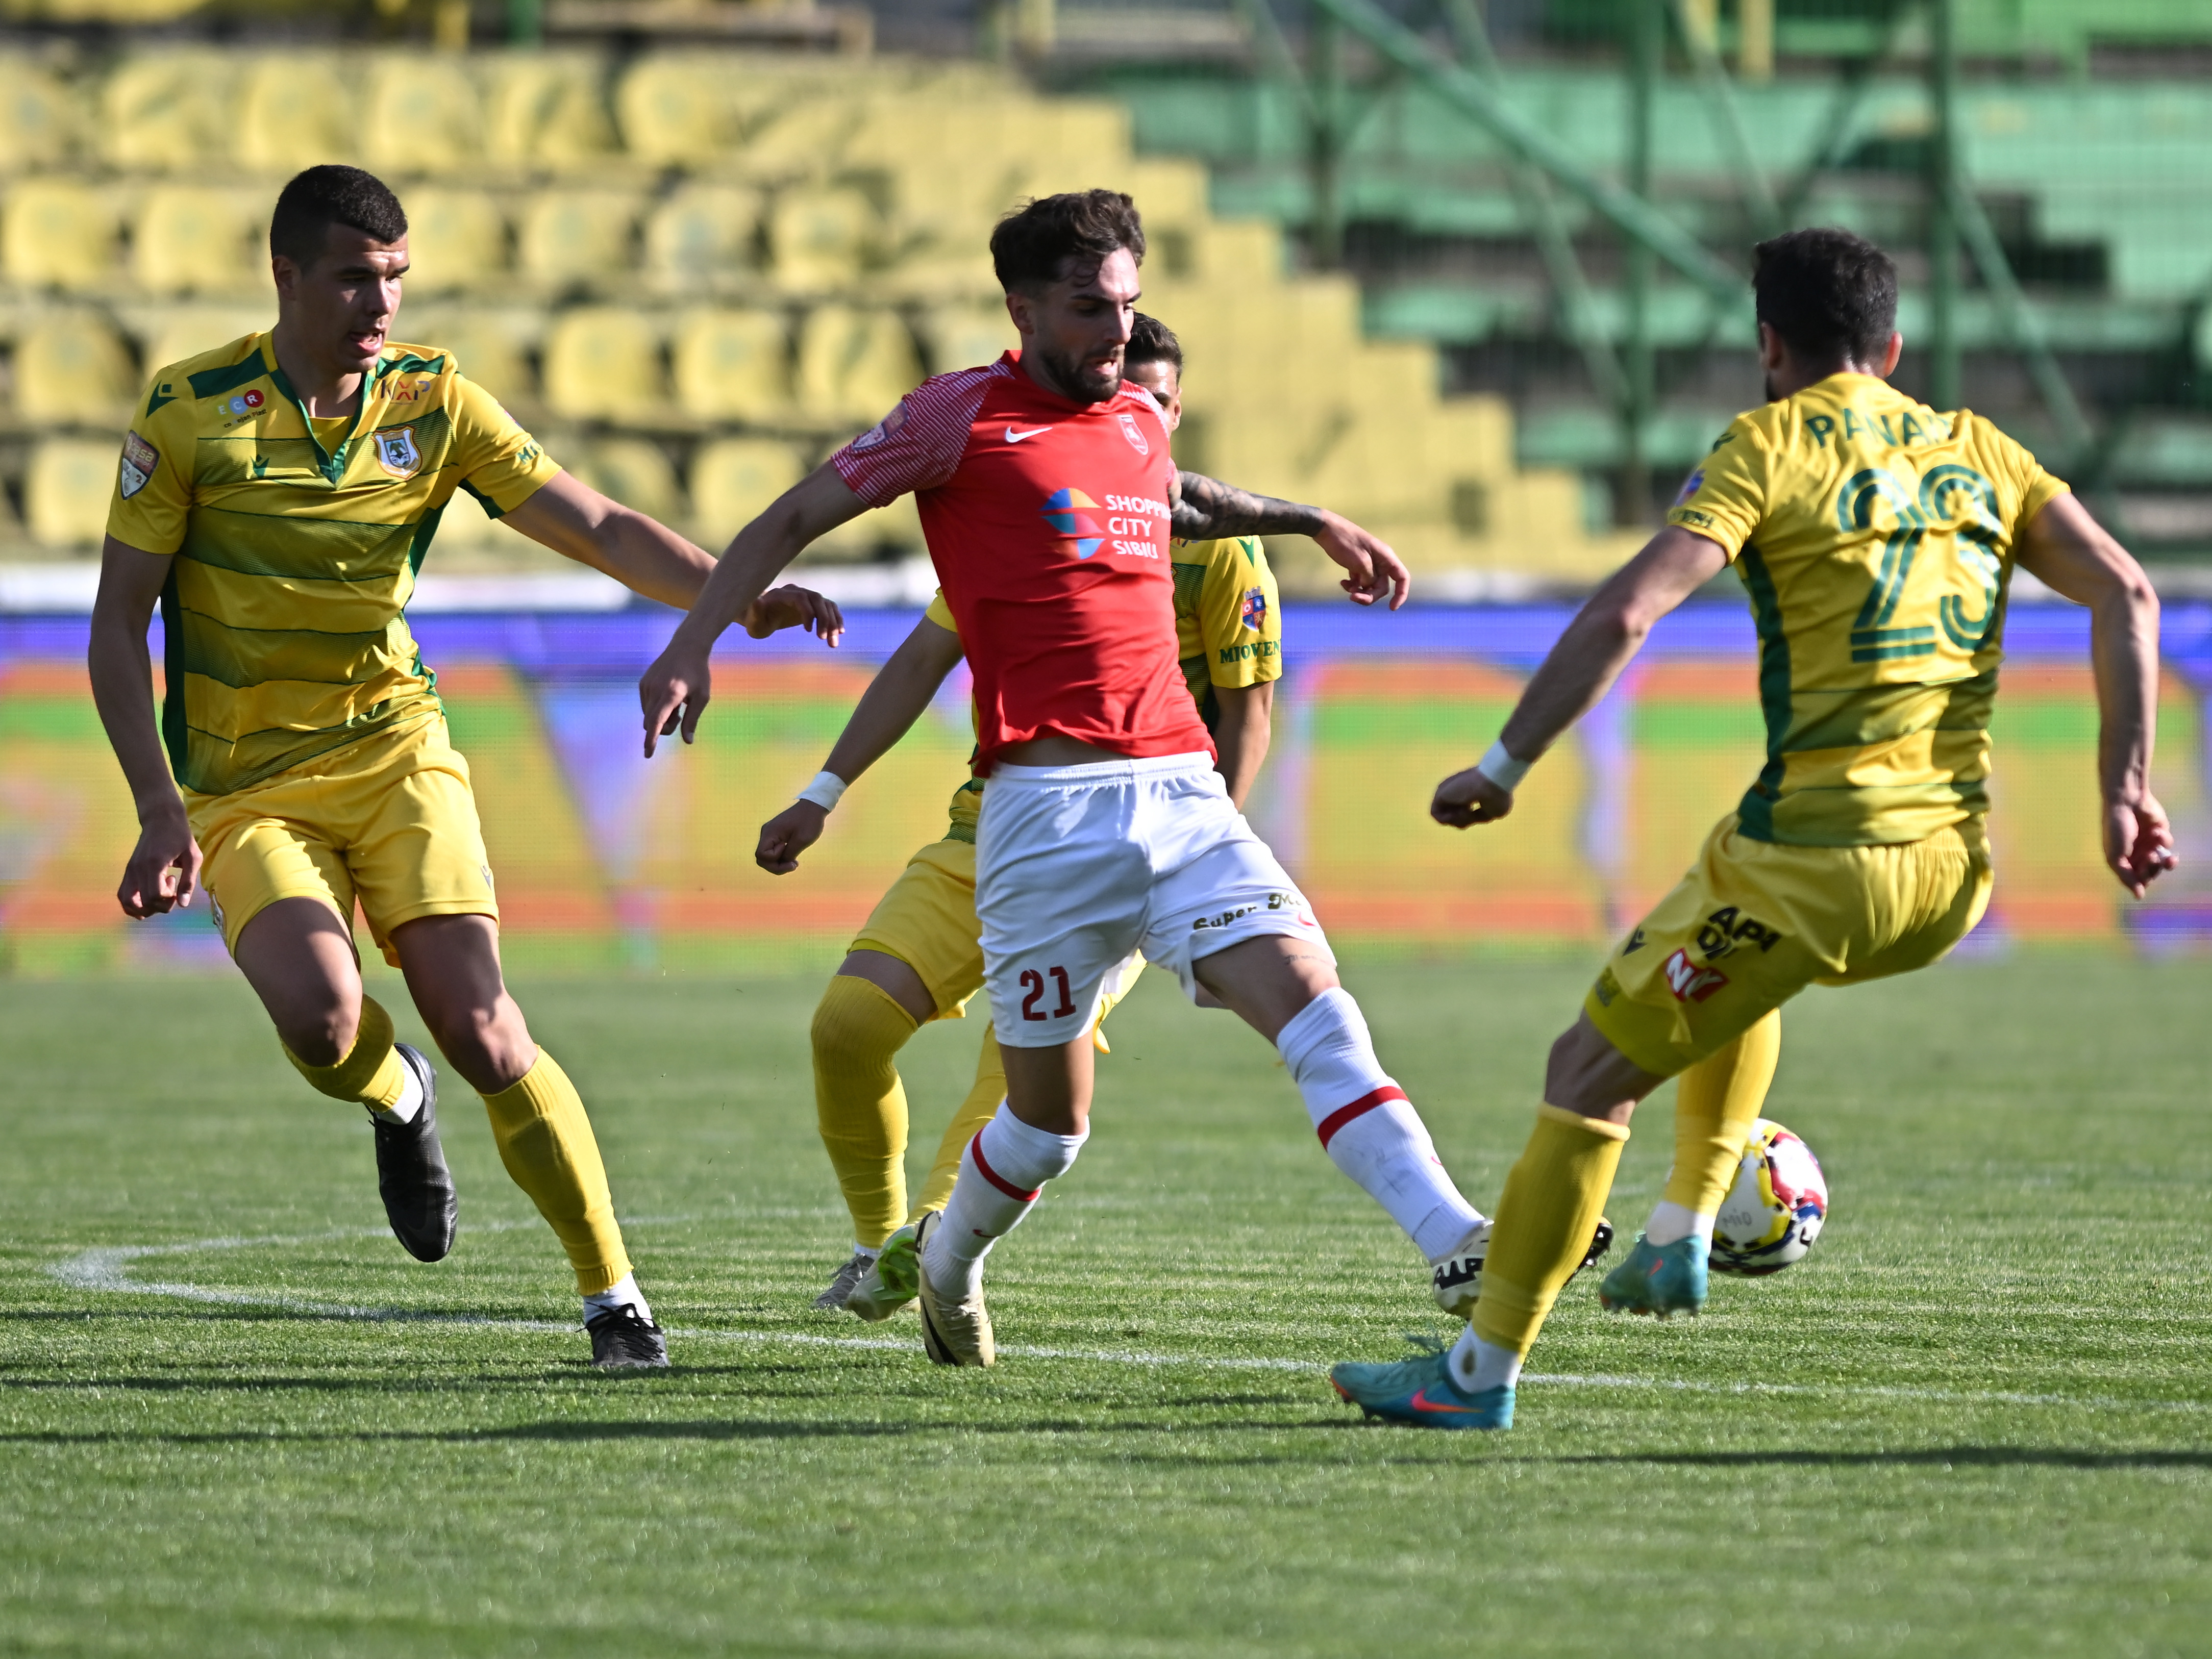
{"x":898,"y":526}
{"x":855,"y":365}
{"x":291,"y":112}
{"x":961,"y":336}
{"x":71,"y":367}
{"x":186,"y":330}
{"x":573,"y":239}
{"x":66,"y":488}
{"x":545,"y":109}
{"x":637,"y":474}
{"x":801,"y":139}
{"x":602,"y":363}
{"x":59,"y":232}
{"x":676,"y":111}
{"x":166,"y":114}
{"x":463,"y":527}
{"x":702,"y":239}
{"x":488,"y":346}
{"x":193,"y":239}
{"x":456,"y":241}
{"x":732,"y":365}
{"x":39,"y":118}
{"x":822,"y":240}
{"x":423,"y":115}
{"x":733,"y":480}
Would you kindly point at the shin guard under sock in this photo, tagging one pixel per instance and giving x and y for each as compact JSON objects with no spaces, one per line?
{"x":1001,"y":1174}
{"x":372,"y":1072}
{"x":546,"y":1142}
{"x":1715,"y":1103}
{"x":982,"y":1105}
{"x":1552,"y":1200}
{"x":860,"y":1103}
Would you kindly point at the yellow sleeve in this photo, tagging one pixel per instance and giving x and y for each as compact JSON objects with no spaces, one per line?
{"x":1240,"y":617}
{"x":941,"y":613}
{"x":499,"y":463}
{"x":1726,"y":497}
{"x":153,"y":477}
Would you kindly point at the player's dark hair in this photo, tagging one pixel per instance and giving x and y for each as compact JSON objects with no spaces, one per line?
{"x":330,"y":195}
{"x":1032,"y":244}
{"x":1828,"y":294}
{"x":1152,"y":340}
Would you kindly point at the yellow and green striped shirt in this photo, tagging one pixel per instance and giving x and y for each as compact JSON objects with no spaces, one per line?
{"x":296,"y":544}
{"x":1875,"y":538}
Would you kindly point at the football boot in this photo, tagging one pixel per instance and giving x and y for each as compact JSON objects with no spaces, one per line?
{"x":1420,"y":1391}
{"x":1659,"y":1279}
{"x":953,"y":1333}
{"x":892,"y":1281}
{"x":1457,"y":1279}
{"x":411,"y":1176}
{"x":622,"y":1338}
{"x":840,"y":1287}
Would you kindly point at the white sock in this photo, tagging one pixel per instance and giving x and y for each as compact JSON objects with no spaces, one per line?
{"x":1001,"y":1173}
{"x":1369,"y":1129}
{"x":1477,"y":1364}
{"x":410,"y":1097}
{"x":870,"y":1251}
{"x":624,"y":1292}
{"x":1670,"y":1222}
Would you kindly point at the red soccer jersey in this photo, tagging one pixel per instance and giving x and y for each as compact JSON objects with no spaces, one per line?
{"x":1048,"y":523}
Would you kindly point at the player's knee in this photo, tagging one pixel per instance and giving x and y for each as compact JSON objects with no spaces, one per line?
{"x":321,"y":1031}
{"x":490,"y":1045}
{"x":1586,"y":1075}
{"x":857,"y":1022}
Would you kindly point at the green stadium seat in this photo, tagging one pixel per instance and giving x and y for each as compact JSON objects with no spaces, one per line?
{"x":487,"y":345}
{"x":456,"y":241}
{"x":961,"y":336}
{"x":545,"y":109}
{"x":602,"y":363}
{"x":196,"y":239}
{"x":569,"y":240}
{"x":67,"y":485}
{"x":40,"y":119}
{"x":675,"y":112}
{"x":423,"y":115}
{"x":166,"y":114}
{"x":855,"y":365}
{"x":732,"y":365}
{"x":60,"y":232}
{"x":733,"y":480}
{"x":72,"y":368}
{"x":292,"y":111}
{"x":637,"y":474}
{"x":702,"y":238}
{"x":821,"y":240}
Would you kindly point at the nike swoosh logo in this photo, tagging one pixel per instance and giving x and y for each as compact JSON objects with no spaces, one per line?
{"x":1421,"y":1402}
{"x":1014,"y":437}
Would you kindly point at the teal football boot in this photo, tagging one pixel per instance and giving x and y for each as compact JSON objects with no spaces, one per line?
{"x":1420,"y":1391}
{"x":1659,"y":1279}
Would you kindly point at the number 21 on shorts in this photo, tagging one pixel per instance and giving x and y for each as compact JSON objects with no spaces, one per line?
{"x":1033,"y":984}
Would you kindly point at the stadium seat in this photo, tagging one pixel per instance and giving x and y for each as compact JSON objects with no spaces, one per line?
{"x":168,"y":112}
{"x":291,"y":110}
{"x":67,"y":485}
{"x":675,"y":112}
{"x":192,"y":238}
{"x":732,"y":365}
{"x":488,"y":345}
{"x":635,"y":472}
{"x":463,"y":527}
{"x":423,"y":115}
{"x":40,"y":119}
{"x":702,"y":239}
{"x":61,"y":234}
{"x":801,"y":138}
{"x":733,"y":482}
{"x":186,"y":331}
{"x":70,"y":368}
{"x":602,"y":363}
{"x":456,"y":241}
{"x":572,"y":241}
{"x":885,"y":529}
{"x":821,"y":240}
{"x":545,"y":109}
{"x":855,"y":365}
{"x":961,"y":336}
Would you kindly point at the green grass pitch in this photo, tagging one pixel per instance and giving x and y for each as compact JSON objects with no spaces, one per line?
{"x":1978,"y":1420}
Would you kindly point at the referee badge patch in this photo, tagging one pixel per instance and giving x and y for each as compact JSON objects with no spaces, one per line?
{"x":396,"y":451}
{"x":139,"y":460}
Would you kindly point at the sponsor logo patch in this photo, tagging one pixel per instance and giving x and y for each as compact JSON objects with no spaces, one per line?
{"x":1136,"y":437}
{"x":139,"y":460}
{"x":1729,"y":927}
{"x":881,"y":430}
{"x":1635,"y":942}
{"x":1688,"y":982}
{"x":1691,"y":486}
{"x":1254,"y":613}
{"x":396,"y":451}
{"x":1606,"y":988}
{"x":1068,"y":511}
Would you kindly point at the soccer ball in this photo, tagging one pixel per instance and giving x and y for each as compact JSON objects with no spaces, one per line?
{"x":1773,"y":1212}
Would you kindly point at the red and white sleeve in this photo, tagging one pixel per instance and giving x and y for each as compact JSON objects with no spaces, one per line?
{"x":918,"y":445}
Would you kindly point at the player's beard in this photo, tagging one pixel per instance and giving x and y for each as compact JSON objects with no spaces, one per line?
{"x":1077,"y":380}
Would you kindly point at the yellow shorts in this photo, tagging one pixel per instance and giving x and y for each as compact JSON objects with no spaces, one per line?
{"x":927,"y":921}
{"x":1754,"y":923}
{"x":390,"y":821}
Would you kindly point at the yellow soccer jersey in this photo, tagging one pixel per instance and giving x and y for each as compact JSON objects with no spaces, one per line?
{"x":296,"y":545}
{"x":1875,"y":538}
{"x":1229,"y":627}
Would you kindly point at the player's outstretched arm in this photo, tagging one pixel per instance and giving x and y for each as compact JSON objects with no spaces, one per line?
{"x":1581,"y":667}
{"x":1202,"y":508}
{"x":2070,"y":552}
{"x":674,"y":692}
{"x":887,"y":710}
{"x":165,"y":866}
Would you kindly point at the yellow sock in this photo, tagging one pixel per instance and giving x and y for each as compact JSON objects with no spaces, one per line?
{"x":371,"y":1072}
{"x":1551,"y":1205}
{"x":860,"y":1103}
{"x":1716,"y":1103}
{"x":979,"y":1108}
{"x":546,"y":1143}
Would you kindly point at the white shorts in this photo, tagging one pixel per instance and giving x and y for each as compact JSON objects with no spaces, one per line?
{"x":1077,"y":866}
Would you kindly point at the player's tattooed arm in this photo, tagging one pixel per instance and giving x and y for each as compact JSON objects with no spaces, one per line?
{"x":1200,"y":509}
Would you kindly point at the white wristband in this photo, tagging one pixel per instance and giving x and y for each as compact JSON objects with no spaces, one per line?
{"x":1502,"y":770}
{"x":827,"y":789}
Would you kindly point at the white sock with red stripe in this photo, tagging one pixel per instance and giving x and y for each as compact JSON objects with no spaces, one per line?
{"x":1369,"y":1129}
{"x":1001,"y":1173}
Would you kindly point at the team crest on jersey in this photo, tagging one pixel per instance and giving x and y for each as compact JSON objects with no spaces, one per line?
{"x":396,"y":451}
{"x":1068,"y":511}
{"x":139,"y":460}
{"x":1134,"y":435}
{"x":1255,"y":614}
{"x":881,"y":429}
